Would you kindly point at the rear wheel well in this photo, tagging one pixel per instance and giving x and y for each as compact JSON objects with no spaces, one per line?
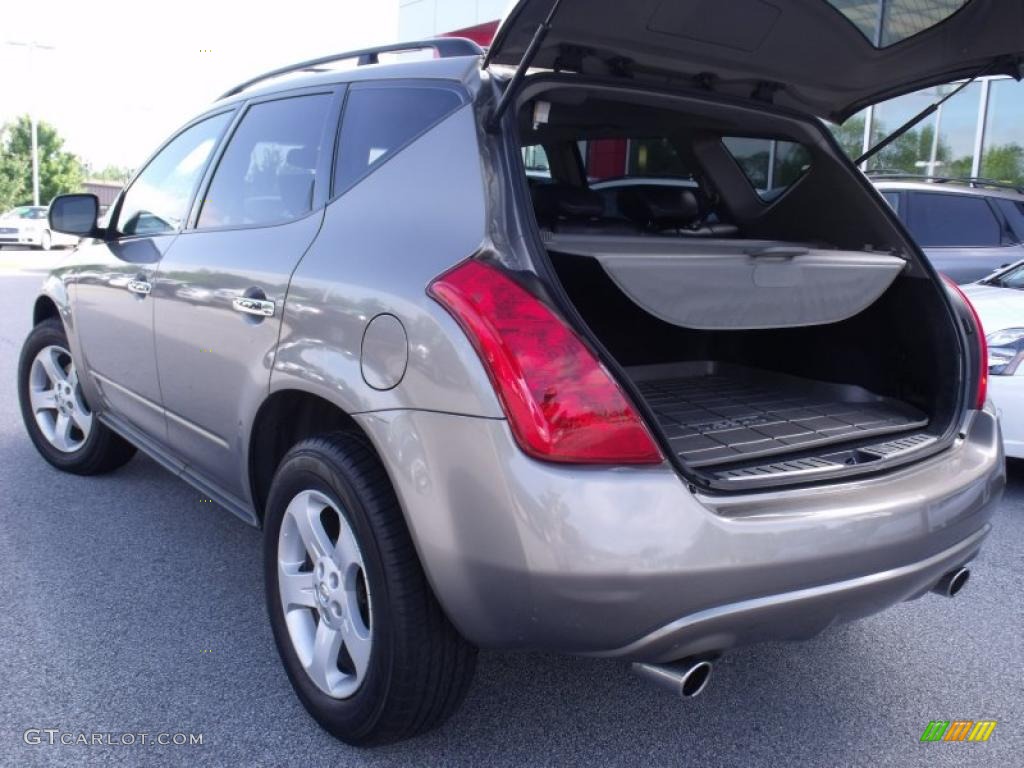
{"x":44,"y":309}
{"x":283,"y":420}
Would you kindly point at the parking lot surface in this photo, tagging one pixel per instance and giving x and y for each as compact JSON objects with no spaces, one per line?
{"x":128,"y":605}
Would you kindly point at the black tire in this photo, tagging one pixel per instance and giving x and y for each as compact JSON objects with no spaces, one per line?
{"x":103,"y":450}
{"x":420,"y":668}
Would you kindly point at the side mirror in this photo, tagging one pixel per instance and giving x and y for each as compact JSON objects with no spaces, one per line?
{"x":75,"y":214}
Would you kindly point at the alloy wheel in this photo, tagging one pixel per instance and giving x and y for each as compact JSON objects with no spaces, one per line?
{"x":56,"y":397}
{"x":324,"y":594}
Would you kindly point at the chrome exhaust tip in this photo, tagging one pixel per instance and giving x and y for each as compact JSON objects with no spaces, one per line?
{"x":951,"y":583}
{"x":686,"y":678}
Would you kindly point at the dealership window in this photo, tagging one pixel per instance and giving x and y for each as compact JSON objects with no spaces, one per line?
{"x":1003,"y":154}
{"x":535,"y":160}
{"x":771,"y":166}
{"x":912,"y":152}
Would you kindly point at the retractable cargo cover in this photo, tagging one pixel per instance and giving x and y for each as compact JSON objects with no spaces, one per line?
{"x":714,"y":284}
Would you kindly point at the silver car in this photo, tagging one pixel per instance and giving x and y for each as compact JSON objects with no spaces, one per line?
{"x":472,"y":408}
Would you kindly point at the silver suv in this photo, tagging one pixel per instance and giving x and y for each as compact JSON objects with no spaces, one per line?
{"x":968,"y":228}
{"x":475,"y":408}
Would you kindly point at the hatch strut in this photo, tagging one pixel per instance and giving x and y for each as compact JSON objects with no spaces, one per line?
{"x":926,"y":112}
{"x":520,"y":73}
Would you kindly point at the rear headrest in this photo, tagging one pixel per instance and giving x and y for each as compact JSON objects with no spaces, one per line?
{"x":302,"y":157}
{"x":558,"y":201}
{"x":660,"y":207}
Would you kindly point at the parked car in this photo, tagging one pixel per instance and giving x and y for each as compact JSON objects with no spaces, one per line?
{"x":468,"y":412}
{"x":999,"y":300}
{"x":968,"y":228}
{"x":28,"y":225}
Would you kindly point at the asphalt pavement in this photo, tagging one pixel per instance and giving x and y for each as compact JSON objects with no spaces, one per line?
{"x":128,"y":605}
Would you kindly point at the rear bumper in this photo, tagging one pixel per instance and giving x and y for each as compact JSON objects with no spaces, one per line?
{"x":1007,"y":392}
{"x":627,"y":562}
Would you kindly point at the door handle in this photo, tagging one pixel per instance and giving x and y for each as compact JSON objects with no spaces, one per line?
{"x":139,"y":287}
{"x":250,"y":306}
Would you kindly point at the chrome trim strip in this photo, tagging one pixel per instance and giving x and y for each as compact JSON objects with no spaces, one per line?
{"x":125,"y":391}
{"x":197,"y":429}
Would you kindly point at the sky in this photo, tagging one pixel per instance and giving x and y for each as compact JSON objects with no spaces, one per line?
{"x":124,"y":74}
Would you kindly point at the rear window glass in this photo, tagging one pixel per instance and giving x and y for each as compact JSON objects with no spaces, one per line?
{"x":381,"y":120}
{"x":1014,"y":212}
{"x":535,"y":160}
{"x":887,"y":22}
{"x":770,"y":165}
{"x":644,"y":158}
{"x":938,"y":220}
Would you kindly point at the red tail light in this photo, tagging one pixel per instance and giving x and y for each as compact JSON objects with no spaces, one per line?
{"x":982,"y":391}
{"x":562,"y":405}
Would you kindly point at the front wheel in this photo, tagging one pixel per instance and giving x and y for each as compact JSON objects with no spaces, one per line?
{"x":58,"y":419}
{"x":46,"y":241}
{"x":363,"y":639}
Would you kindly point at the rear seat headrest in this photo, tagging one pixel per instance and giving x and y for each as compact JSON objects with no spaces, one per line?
{"x":559,"y":201}
{"x":659,"y":207}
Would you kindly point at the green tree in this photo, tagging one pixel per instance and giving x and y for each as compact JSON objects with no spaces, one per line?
{"x":12,"y":180}
{"x":850,"y":136}
{"x":60,"y":171}
{"x":118,"y":173}
{"x":1004,"y":162}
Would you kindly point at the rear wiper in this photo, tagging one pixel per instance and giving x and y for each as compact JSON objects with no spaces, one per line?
{"x":926,"y":112}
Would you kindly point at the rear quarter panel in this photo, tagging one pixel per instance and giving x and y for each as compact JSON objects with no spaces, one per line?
{"x":382,"y":242}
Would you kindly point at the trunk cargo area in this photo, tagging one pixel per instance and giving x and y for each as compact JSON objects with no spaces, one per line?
{"x":717,"y":414}
{"x":742,"y":407}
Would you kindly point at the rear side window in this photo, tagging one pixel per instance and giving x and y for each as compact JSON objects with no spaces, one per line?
{"x":381,"y":120}
{"x":267,"y":172}
{"x":937,"y":220}
{"x":1014,"y":213}
{"x":770,"y":165}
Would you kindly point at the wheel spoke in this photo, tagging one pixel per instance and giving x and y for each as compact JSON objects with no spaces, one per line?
{"x":346,"y":552}
{"x":305,"y":511}
{"x":73,"y":377}
{"x":43,"y":400}
{"x":357,"y":638}
{"x":296,"y":586}
{"x":62,"y":432}
{"x":52,"y":366}
{"x":323,"y":666}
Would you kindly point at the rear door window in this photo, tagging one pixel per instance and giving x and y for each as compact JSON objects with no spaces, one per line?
{"x":940,"y":220}
{"x":267,"y":173}
{"x":771,"y":166}
{"x":380,"y":120}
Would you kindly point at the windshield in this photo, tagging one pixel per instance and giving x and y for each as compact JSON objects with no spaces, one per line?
{"x":887,"y":22}
{"x":1011,"y":278}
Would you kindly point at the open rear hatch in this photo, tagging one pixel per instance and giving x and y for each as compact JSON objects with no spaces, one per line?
{"x":827,"y":58}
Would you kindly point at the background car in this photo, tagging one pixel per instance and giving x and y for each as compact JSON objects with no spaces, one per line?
{"x":968,"y":228}
{"x":999,"y":301}
{"x":28,"y":225}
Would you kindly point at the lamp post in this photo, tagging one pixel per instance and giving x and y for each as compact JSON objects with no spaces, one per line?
{"x":32,"y":46}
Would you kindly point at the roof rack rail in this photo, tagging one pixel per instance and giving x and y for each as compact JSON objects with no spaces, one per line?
{"x":972,"y":181}
{"x":445,"y":47}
